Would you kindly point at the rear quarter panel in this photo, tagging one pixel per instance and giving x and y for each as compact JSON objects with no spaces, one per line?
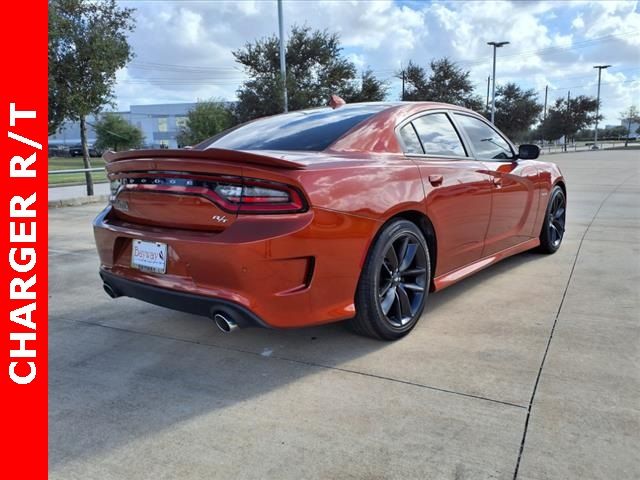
{"x":376,"y":188}
{"x":349,"y":199}
{"x":370,"y":188}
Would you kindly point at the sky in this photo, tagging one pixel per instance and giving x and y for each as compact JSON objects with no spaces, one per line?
{"x":183,"y":49}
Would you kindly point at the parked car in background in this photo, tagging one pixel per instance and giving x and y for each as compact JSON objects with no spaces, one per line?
{"x":58,"y":151}
{"x":349,"y":213}
{"x":76,"y":151}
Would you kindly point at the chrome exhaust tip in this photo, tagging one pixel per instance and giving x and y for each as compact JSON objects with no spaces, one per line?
{"x":109,"y":290}
{"x":224,"y":323}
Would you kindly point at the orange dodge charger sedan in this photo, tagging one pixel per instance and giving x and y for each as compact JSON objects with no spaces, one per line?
{"x":353,"y":213}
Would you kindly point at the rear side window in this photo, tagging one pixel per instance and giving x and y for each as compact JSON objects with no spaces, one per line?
{"x":410,"y":139}
{"x":438,"y":136}
{"x":487,"y":143}
{"x":308,"y":130}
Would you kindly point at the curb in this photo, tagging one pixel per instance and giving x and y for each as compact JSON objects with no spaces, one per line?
{"x":75,"y":202}
{"x":604,"y":149}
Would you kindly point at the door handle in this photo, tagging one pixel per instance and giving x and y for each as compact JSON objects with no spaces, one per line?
{"x":435,"y":180}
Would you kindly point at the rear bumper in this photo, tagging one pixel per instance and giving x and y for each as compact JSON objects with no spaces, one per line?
{"x":184,"y":302}
{"x":281,"y":271}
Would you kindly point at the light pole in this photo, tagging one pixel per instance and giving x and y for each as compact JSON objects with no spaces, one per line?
{"x":495,"y":45}
{"x":600,"y":68}
{"x":488,"y":86}
{"x":283,"y":62}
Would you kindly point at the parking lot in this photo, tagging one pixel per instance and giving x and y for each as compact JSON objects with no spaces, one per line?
{"x":532,"y":365}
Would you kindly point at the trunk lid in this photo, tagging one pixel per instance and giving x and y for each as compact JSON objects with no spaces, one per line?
{"x":117,"y":161}
{"x":181,"y":188}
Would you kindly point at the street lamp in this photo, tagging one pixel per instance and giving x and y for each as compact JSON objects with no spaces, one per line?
{"x":600,"y":68}
{"x":493,"y":91}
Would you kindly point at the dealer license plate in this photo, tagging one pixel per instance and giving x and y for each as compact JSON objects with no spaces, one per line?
{"x":149,"y":256}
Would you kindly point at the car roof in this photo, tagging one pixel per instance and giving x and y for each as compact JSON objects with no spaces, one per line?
{"x":310,"y":129}
{"x":385,"y":105}
{"x":373,"y":132}
{"x":377,"y":133}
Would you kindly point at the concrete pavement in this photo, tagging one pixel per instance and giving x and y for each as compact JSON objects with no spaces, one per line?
{"x":531,"y":365}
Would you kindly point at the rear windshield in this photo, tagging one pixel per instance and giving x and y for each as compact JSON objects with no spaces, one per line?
{"x":311,"y":130}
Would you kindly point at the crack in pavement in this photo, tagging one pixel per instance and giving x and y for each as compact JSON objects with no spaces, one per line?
{"x":553,"y":327}
{"x":303,"y":362}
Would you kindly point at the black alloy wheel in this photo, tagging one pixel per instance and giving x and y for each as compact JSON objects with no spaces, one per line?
{"x":402,"y":280}
{"x":554,"y":224}
{"x":394,"y":283}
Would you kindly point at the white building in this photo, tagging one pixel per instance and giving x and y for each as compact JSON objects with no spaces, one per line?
{"x":633,"y":130}
{"x":160,"y":125}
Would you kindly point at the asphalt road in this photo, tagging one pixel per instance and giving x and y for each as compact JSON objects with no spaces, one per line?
{"x":533,"y":364}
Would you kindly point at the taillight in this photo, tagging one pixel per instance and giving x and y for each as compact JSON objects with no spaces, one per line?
{"x":256,"y":196}
{"x":233,"y":194}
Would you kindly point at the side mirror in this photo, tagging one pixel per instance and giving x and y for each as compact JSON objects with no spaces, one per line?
{"x":528,"y":152}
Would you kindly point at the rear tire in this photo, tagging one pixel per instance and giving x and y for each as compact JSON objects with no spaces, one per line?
{"x":553,"y":227}
{"x":394,"y":283}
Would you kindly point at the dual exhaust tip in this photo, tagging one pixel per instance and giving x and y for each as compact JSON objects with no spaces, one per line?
{"x":110,"y":290}
{"x":223,"y":321}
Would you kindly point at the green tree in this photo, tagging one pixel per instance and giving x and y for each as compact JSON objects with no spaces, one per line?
{"x":205,"y":120}
{"x":615,"y":133}
{"x":585,"y":134}
{"x":316,"y":69}
{"x":57,"y":93}
{"x":565,"y":122}
{"x":87,"y":45}
{"x":629,"y":116}
{"x":115,"y":133}
{"x":370,"y":89}
{"x":516,"y":109}
{"x":445,"y":82}
{"x":532,"y":135}
{"x":414,"y":82}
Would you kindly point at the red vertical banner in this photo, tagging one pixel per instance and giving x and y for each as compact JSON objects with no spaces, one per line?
{"x":23,"y":239}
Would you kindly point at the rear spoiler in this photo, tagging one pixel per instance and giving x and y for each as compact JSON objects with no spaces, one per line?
{"x":232,"y":156}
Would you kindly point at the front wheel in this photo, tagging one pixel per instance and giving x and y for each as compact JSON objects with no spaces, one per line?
{"x":554,"y":222}
{"x":394,"y":283}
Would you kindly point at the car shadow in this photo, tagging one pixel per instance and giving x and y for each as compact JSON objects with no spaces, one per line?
{"x":439,"y":299}
{"x":121,"y":372}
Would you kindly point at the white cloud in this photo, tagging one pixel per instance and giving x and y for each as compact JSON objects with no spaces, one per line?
{"x":578,"y":22}
{"x":552,"y":43}
{"x":563,"y":41}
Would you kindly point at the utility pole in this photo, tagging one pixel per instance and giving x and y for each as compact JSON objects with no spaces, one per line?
{"x":283,"y":61}
{"x":600,"y":68}
{"x":488,"y":84}
{"x":495,"y":45}
{"x":568,"y":120}
{"x":546,"y":93}
{"x":403,"y":77}
{"x":544,"y":112}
